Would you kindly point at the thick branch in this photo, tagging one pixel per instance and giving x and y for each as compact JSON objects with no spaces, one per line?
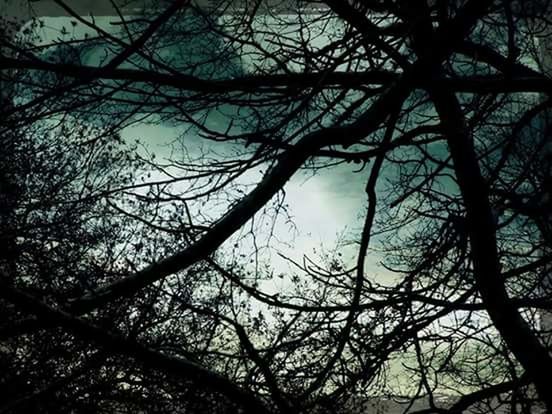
{"x":517,"y":334}
{"x":183,"y":368}
{"x":522,"y":82}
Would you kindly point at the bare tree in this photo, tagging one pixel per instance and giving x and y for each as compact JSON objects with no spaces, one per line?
{"x":148,"y":271}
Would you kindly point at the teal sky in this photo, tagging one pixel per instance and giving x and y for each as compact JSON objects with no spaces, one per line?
{"x":323,"y":207}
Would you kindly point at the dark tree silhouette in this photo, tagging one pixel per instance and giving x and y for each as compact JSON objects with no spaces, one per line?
{"x":132,"y":281}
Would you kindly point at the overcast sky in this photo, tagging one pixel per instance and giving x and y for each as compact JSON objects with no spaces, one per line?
{"x":323,"y":206}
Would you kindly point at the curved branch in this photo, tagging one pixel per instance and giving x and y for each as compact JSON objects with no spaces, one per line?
{"x":178,"y":366}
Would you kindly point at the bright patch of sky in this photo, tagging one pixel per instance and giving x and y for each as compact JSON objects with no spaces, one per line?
{"x":324,"y":206}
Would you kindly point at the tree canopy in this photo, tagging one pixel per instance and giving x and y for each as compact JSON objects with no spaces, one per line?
{"x":140,"y":279}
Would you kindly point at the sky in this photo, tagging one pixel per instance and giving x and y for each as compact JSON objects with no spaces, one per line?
{"x":326,"y":207}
